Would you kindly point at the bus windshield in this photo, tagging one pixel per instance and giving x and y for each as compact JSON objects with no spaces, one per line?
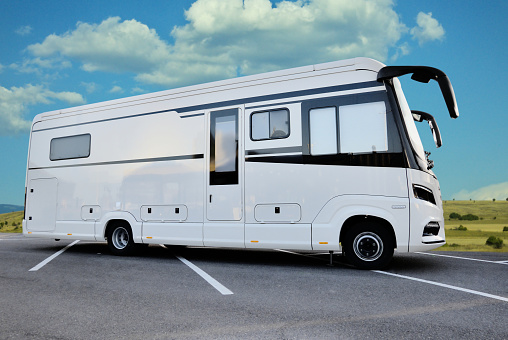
{"x":414,"y":137}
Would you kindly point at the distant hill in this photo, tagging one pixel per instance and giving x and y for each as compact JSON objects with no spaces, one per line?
{"x":7,"y":208}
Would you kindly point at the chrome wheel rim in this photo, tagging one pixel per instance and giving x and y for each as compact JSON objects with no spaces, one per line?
{"x":368,"y":246}
{"x":120,"y":238}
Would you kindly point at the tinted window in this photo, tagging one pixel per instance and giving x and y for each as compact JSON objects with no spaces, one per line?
{"x":70,"y":147}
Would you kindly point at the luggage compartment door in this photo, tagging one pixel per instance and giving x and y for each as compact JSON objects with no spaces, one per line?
{"x":41,"y":204}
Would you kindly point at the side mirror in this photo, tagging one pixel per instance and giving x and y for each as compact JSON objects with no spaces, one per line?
{"x":420,"y":116}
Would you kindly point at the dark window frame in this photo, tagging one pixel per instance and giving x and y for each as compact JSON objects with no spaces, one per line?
{"x":58,"y":139}
{"x":393,"y":157}
{"x":227,"y":177}
{"x":271,"y":110}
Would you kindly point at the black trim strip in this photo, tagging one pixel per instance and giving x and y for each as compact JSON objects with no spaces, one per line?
{"x":276,"y":96}
{"x":194,"y":115}
{"x":144,"y":160}
{"x":385,"y":159}
{"x":274,"y":150}
{"x":234,"y":102}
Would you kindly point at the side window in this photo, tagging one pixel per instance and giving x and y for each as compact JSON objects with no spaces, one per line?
{"x":323,"y":131}
{"x":363,"y":128}
{"x":70,"y":147}
{"x":270,"y":124}
{"x":355,"y":130}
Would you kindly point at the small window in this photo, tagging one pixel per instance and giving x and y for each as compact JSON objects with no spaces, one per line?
{"x":270,"y":125}
{"x":70,"y":147}
{"x":323,"y":131}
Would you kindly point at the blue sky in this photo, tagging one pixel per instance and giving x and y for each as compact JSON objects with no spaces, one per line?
{"x":57,"y":54}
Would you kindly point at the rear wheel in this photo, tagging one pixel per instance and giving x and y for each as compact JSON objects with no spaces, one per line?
{"x":120,"y":239}
{"x":368,"y":246}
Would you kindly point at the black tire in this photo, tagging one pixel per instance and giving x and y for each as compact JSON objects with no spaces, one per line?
{"x":120,"y":239}
{"x":368,"y":245}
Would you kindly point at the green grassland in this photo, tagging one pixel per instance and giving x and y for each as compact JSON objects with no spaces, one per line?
{"x":11,"y":222}
{"x":493,"y":217}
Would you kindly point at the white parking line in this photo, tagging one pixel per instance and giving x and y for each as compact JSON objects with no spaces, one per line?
{"x":216,"y":284}
{"x":49,"y":259}
{"x":463,"y":258}
{"x":501,"y":298}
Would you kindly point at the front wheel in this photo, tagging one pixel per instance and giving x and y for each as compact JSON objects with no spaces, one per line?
{"x":120,"y":239}
{"x":368,"y":246}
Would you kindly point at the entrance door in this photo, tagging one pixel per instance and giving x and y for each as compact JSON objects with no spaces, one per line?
{"x":224,"y":203}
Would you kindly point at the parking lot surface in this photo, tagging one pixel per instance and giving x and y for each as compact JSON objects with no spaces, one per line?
{"x":77,"y":290}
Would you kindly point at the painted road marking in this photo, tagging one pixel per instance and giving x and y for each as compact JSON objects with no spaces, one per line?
{"x":463,"y":258}
{"x":216,"y":284}
{"x":501,"y":298}
{"x":49,"y":259}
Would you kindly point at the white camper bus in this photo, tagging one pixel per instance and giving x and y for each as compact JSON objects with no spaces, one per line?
{"x":319,"y":158}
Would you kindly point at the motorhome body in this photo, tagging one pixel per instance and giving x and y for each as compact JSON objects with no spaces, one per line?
{"x":318,"y":158}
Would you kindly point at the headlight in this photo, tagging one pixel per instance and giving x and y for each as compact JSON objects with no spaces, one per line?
{"x":423,"y":193}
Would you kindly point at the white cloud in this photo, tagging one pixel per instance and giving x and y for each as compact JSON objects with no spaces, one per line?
{"x":138,"y":90}
{"x":24,"y":30}
{"x":89,"y":87}
{"x":114,"y":46}
{"x":498,"y":191}
{"x":225,"y":38}
{"x":14,"y":102}
{"x":428,"y":28}
{"x":37,"y":65}
{"x":116,"y":89}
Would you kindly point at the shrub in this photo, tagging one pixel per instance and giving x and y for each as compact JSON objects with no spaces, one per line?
{"x":505,"y":228}
{"x":495,"y":242}
{"x":461,"y":227}
{"x":469,"y":217}
{"x":454,"y":215}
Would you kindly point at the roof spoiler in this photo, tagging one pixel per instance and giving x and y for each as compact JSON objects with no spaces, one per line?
{"x":424,"y":74}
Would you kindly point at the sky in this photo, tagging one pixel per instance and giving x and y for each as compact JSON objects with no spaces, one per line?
{"x":58,"y":54}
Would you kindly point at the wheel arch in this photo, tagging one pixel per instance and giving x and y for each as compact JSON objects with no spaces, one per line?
{"x":357,"y":219}
{"x":110,"y":219}
{"x":343,"y":212}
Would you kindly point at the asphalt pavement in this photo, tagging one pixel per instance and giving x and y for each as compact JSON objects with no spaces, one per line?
{"x":77,"y":290}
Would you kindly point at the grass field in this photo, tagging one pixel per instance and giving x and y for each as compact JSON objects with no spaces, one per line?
{"x":493,"y":217}
{"x":11,"y":222}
